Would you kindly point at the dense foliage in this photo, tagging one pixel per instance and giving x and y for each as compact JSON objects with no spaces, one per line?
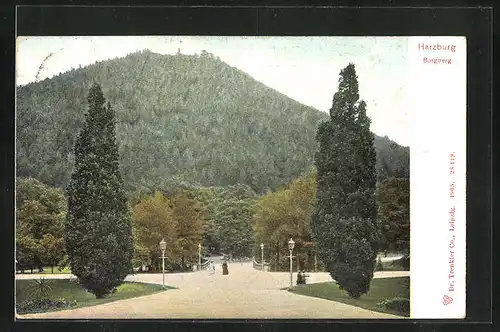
{"x":284,"y":214}
{"x":43,"y":305}
{"x":393,"y":160}
{"x":393,"y":197}
{"x":228,"y":218}
{"x":177,"y":219}
{"x":344,"y":222}
{"x":400,"y":305}
{"x":40,"y":215}
{"x":153,"y":221}
{"x":188,"y":215}
{"x":98,"y":230}
{"x":188,"y":119}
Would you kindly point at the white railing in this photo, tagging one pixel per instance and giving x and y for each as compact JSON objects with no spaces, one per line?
{"x":205,"y":265}
{"x":258,"y":266}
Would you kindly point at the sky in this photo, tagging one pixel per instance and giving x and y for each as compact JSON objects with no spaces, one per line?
{"x":304,"y":68}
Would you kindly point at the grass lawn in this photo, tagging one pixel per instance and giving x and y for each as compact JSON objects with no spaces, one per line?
{"x":380,"y":289}
{"x":48,"y":270}
{"x":70,"y":290}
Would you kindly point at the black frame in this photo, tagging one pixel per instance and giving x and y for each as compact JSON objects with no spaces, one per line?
{"x":474,"y":23}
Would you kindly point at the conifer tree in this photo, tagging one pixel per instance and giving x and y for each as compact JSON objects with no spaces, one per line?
{"x":98,"y":228}
{"x":344,"y":221}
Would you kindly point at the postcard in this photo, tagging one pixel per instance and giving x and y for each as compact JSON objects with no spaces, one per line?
{"x":241,"y":177}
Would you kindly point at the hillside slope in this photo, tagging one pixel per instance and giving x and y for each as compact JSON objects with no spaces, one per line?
{"x":181,"y":119}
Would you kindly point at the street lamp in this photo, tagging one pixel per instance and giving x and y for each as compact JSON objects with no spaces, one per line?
{"x":291,"y":244}
{"x":199,"y":257}
{"x":163,"y":246}
{"x":262,"y":255}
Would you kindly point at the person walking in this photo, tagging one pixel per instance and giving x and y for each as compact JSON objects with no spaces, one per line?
{"x":212,"y":267}
{"x":225,"y":270}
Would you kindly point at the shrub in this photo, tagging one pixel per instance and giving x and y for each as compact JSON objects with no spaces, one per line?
{"x":39,"y":289}
{"x":41,"y":305}
{"x":398,"y":304}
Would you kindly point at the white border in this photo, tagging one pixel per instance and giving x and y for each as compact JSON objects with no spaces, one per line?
{"x":437,"y":98}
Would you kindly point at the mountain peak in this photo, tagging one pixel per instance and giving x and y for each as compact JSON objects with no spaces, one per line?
{"x":180,"y":119}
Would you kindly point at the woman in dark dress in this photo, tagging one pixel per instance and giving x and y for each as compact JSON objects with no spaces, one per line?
{"x":225,"y":271}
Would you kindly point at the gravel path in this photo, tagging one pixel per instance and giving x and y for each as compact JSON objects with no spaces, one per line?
{"x":244,"y":293}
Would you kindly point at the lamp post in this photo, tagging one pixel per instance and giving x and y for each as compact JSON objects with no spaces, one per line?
{"x":163,"y":246}
{"x":262,"y":255}
{"x":291,"y":244}
{"x":199,"y":257}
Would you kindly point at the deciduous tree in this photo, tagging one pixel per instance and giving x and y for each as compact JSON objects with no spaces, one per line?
{"x":40,"y":214}
{"x":234,"y":227}
{"x":153,"y":221}
{"x":287,"y":213}
{"x":188,"y":216}
{"x":393,"y":196}
{"x":51,"y":250}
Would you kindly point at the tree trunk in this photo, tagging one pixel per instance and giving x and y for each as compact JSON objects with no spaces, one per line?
{"x":52,"y":268}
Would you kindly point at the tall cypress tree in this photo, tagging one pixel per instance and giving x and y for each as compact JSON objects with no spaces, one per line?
{"x":344,"y":221}
{"x":98,"y":228}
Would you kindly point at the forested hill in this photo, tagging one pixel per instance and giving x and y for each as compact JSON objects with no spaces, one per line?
{"x":181,"y":119}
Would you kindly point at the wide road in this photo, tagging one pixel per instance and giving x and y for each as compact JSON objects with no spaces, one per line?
{"x":244,"y":293}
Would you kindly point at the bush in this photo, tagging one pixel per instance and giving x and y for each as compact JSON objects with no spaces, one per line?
{"x":398,"y":304}
{"x":39,"y":289}
{"x":41,"y":305}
